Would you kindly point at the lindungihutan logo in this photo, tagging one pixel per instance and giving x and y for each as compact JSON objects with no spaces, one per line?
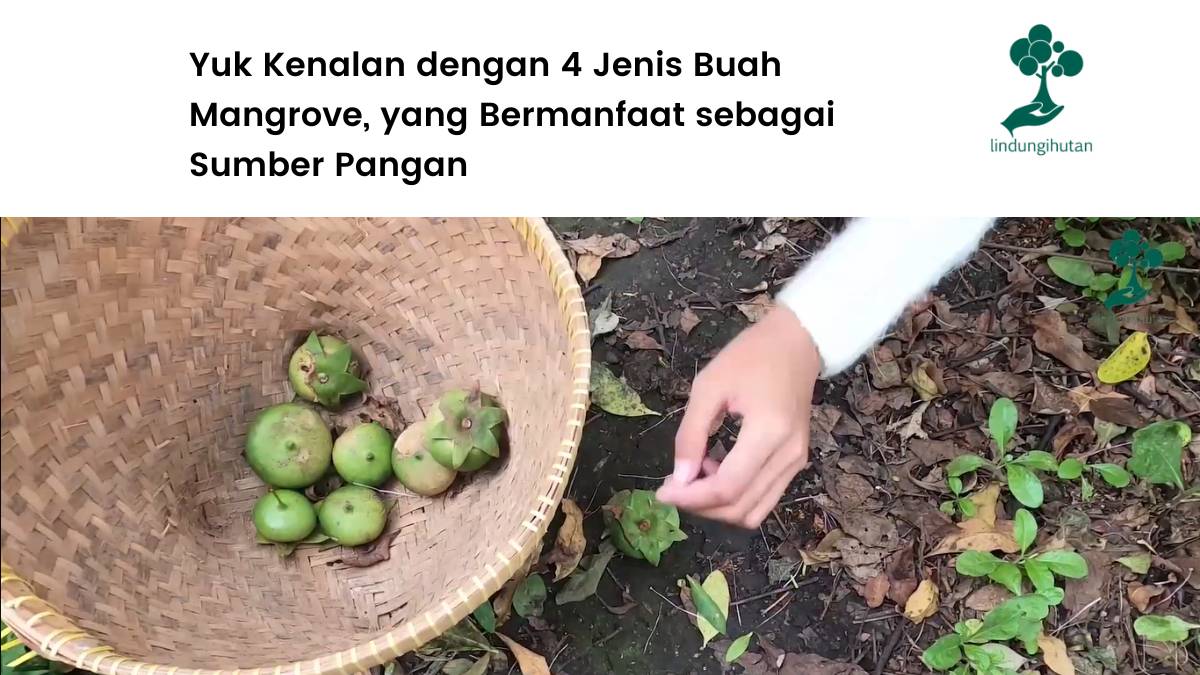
{"x":1040,"y":55}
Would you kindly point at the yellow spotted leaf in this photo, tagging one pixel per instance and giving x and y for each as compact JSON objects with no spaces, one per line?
{"x":923,"y":603}
{"x":1126,"y":360}
{"x":1054,"y":653}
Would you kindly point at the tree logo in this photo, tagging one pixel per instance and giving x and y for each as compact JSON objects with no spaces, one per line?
{"x":1037,"y":55}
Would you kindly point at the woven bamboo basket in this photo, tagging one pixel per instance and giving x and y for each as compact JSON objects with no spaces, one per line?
{"x":136,"y":352}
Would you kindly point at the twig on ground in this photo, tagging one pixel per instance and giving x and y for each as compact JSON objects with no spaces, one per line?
{"x":770,"y":594}
{"x":888,"y":648}
{"x":657,"y":618}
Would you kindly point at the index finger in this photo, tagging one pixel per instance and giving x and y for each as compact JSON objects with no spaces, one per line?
{"x":749,"y":455}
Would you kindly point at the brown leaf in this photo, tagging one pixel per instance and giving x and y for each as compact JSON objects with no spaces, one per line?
{"x":1054,"y":653}
{"x":848,"y":490}
{"x":654,"y":241}
{"x":756,"y":308}
{"x":985,"y":505}
{"x":870,"y":529}
{"x":811,"y":664}
{"x":640,"y":339}
{"x":688,"y":320}
{"x":1005,"y":384}
{"x":1068,"y":433}
{"x":570,"y":542}
{"x":1049,"y":400}
{"x":530,"y":662}
{"x":860,"y":561}
{"x":502,"y":603}
{"x":1022,"y":358}
{"x":885,"y":370}
{"x":613,"y":246}
{"x":1051,"y":337}
{"x":931,"y":452}
{"x":923,"y":515}
{"x":900,"y":571}
{"x":1183,"y":324}
{"x":1141,"y":594}
{"x":923,"y":603}
{"x":371,"y":554}
{"x":825,"y":550}
{"x":1118,"y":411}
{"x":1081,"y":593}
{"x":875,"y":590}
{"x":588,"y":266}
{"x":987,"y":598}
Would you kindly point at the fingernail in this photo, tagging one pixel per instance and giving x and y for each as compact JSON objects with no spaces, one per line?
{"x":685,"y":471}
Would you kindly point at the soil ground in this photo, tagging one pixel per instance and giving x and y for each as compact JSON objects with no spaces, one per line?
{"x":713,"y":267}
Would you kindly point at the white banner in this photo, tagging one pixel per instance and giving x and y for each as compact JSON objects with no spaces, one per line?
{"x":642,"y":108}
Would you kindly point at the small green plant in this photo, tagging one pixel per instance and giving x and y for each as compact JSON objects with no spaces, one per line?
{"x":1018,"y":470}
{"x":977,"y":645}
{"x":1039,"y":568}
{"x":1074,"y":468}
{"x":1021,"y":472}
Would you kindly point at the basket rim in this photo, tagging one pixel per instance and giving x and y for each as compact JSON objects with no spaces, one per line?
{"x":55,"y":636}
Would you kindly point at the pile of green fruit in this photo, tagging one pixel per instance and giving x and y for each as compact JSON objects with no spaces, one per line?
{"x":292,"y":449}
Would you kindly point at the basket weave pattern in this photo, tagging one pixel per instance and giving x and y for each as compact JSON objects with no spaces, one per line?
{"x":135,"y":353}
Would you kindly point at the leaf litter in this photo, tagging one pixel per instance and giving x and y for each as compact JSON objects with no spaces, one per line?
{"x":868,"y":524}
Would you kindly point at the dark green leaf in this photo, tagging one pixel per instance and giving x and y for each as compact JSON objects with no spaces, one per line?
{"x":964,"y":464}
{"x":1038,"y":459}
{"x":1112,"y":474}
{"x":705,"y":606}
{"x":1024,"y":485}
{"x":1064,"y":563}
{"x":485,"y":616}
{"x":737,"y":648}
{"x":1070,"y":468}
{"x":582,"y":584}
{"x":1024,"y":529}
{"x":1002,"y":422}
{"x":975,"y":563}
{"x":1061,"y":224}
{"x":1007,"y":575}
{"x":337,"y":361}
{"x":1158,"y":452}
{"x":1163,"y":628}
{"x":530,"y":595}
{"x":1072,"y":271}
{"x":943,"y":654}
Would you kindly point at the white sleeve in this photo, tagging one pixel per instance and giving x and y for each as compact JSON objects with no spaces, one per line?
{"x":854,"y":288}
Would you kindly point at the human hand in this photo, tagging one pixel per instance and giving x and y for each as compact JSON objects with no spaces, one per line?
{"x":766,"y":377}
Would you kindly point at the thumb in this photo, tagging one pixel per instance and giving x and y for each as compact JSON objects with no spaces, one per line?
{"x":704,"y":408}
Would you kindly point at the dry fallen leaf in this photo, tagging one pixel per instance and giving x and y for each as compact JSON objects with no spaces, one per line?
{"x":1051,"y":336}
{"x":923,"y":603}
{"x":530,"y":662}
{"x":688,"y":320}
{"x":756,"y":308}
{"x":924,"y":381}
{"x":884,"y":369}
{"x":1054,"y":652}
{"x":1141,"y":594}
{"x":502,"y":603}
{"x":588,"y":266}
{"x":613,"y":246}
{"x":1183,"y":324}
{"x":570,"y":542}
{"x":987,"y":598}
{"x":825,"y":550}
{"x":876,"y":590}
{"x":640,"y":339}
{"x":770,"y":243}
{"x":982,"y":532}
